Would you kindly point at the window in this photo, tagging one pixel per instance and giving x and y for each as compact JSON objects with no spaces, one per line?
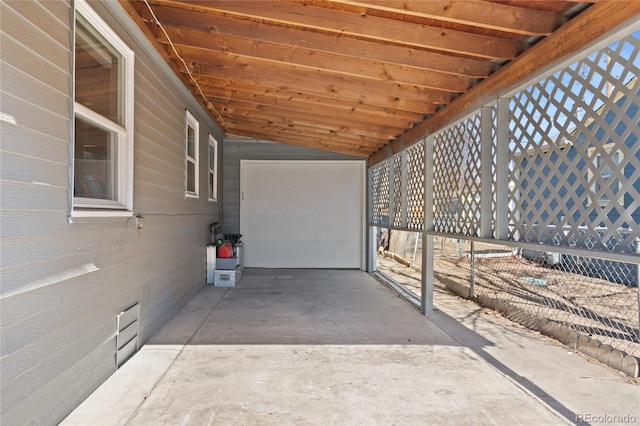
{"x":606,"y":181}
{"x":213,"y":167}
{"x":191,"y":161}
{"x":103,"y":116}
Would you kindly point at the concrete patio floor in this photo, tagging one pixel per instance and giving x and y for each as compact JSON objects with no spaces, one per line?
{"x":324,"y":347}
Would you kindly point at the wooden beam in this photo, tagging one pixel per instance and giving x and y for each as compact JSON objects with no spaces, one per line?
{"x":494,"y":16}
{"x":200,"y":46}
{"x":310,"y":116}
{"x":582,"y":30}
{"x":329,"y":90}
{"x":227,"y":89}
{"x":321,"y":42}
{"x":317,"y":143}
{"x":336,"y":138}
{"x":357,"y":26}
{"x":309,"y":126}
{"x":348,"y":128}
{"x":251,"y":70}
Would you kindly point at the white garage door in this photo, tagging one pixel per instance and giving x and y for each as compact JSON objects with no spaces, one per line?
{"x":302,"y":214}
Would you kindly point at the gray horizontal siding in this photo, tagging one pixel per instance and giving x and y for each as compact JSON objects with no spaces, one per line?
{"x":38,"y":67}
{"x":57,"y":324}
{"x":235,"y":150}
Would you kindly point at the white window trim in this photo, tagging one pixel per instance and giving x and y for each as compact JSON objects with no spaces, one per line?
{"x":213,"y":144}
{"x":603,"y":202}
{"x":190,"y":121}
{"x":124,"y":133}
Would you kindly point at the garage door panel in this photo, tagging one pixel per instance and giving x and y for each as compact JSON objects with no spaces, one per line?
{"x":282,"y":200}
{"x":302,"y":214}
{"x":311,"y":254}
{"x":302,"y":228}
{"x":287,"y":200}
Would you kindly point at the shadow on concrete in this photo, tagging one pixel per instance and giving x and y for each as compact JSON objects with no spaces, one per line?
{"x":319,"y":307}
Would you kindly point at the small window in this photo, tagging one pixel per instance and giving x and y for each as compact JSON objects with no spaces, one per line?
{"x":103,"y":116}
{"x":606,"y":175}
{"x":213,"y":167}
{"x":192,"y":129}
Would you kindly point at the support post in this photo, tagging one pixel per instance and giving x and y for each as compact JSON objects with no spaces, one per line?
{"x":486,"y":177}
{"x":502,"y":170}
{"x":426,"y":299}
{"x":428,"y":241}
{"x":472,"y":283}
{"x":371,"y":248}
{"x":370,"y":233}
{"x":637,"y":241}
{"x":392,"y":191}
{"x":403,"y":188}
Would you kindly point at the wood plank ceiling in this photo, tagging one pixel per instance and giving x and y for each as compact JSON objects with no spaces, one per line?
{"x":340,"y":75}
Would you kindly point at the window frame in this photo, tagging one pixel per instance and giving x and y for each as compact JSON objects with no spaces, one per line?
{"x":123,"y":134}
{"x":212,"y":174}
{"x":191,"y":121}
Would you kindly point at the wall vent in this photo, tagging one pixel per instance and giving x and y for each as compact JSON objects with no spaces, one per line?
{"x":127,"y":328}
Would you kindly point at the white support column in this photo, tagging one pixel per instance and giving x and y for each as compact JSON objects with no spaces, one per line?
{"x":428,"y":183}
{"x":502,"y":170}
{"x":403,"y":185}
{"x":486,"y":178}
{"x":371,"y":248}
{"x":392,"y":191}
{"x":426,"y":299}
{"x":370,"y":230}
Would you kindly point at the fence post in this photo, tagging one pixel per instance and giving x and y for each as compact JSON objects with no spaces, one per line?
{"x":637,"y":241}
{"x":473,"y":272}
{"x":428,"y":261}
{"x":426,"y":301}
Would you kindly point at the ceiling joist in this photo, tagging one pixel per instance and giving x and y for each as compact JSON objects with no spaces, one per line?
{"x":361,"y":77}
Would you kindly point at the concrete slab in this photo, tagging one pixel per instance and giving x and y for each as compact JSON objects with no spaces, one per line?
{"x":337,"y":347}
{"x":570,"y":383}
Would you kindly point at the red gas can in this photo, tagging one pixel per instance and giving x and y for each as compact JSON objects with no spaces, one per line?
{"x":225,"y":250}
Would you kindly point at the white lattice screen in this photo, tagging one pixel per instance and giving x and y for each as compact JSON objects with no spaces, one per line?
{"x":397,"y":191}
{"x":573,"y":162}
{"x":415,"y":187}
{"x":456,"y":197}
{"x":575,"y":156}
{"x":379,"y":201}
{"x":534,"y":200}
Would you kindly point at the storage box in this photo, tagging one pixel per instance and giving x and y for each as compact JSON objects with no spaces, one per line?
{"x":226,"y":263}
{"x":227,"y":278}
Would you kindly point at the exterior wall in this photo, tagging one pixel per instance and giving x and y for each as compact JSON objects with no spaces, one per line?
{"x":251,"y":149}
{"x":63,"y":284}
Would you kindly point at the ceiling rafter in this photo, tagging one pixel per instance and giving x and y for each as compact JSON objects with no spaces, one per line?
{"x":226,"y":89}
{"x":474,"y":13}
{"x":211,"y":48}
{"x":363,"y":77}
{"x":308,"y":17}
{"x":258,"y":33}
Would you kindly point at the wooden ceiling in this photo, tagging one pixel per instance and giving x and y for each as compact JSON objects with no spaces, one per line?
{"x":346,"y":76}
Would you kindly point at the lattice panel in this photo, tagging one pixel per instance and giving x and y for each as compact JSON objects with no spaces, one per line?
{"x":494,"y":168}
{"x":415,"y":187}
{"x":457,"y":179}
{"x":397,"y":190}
{"x":575,"y":154}
{"x":380,"y":194}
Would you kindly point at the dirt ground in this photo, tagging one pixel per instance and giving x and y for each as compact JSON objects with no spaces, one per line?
{"x":604,"y":310}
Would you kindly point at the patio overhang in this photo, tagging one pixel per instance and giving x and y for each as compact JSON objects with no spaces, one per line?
{"x":365,"y":78}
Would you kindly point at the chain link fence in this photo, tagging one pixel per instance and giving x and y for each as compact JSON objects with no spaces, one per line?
{"x":593,"y":297}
